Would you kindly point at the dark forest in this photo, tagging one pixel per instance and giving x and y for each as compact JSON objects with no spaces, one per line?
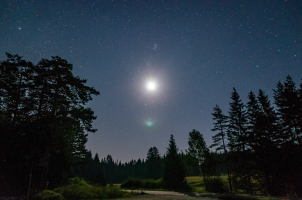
{"x":44,"y":122}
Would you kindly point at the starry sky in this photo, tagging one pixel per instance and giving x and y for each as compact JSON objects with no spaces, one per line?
{"x":194,"y":51}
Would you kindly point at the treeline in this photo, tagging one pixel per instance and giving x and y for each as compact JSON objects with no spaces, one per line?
{"x":262,"y":143}
{"x":149,"y":168}
{"x":117,"y":172}
{"x":152,"y":167}
{"x":43,"y":123}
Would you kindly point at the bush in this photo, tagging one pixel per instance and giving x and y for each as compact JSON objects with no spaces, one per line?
{"x":214,"y":185}
{"x":78,"y":181}
{"x":137,"y":183}
{"x":80,"y":189}
{"x":48,"y":195}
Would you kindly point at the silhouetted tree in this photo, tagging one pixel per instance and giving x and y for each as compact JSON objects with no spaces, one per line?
{"x":266,"y":146}
{"x":153,"y":164}
{"x":237,"y":137}
{"x":44,"y":119}
{"x":91,"y":171}
{"x":288,"y":102}
{"x":174,"y":173}
{"x":190,"y":164}
{"x":198,"y":150}
{"x":220,"y":139}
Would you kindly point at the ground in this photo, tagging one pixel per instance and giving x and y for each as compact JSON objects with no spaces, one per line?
{"x":167,"y":195}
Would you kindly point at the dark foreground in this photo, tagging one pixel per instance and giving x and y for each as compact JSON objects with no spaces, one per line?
{"x":169,"y":195}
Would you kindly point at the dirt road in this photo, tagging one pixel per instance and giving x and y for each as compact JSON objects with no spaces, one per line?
{"x":169,"y":195}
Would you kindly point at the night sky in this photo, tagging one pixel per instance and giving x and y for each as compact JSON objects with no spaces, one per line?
{"x":195,"y":52}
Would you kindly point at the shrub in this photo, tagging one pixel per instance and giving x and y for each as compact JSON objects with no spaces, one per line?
{"x":48,"y":195}
{"x":78,"y":181}
{"x":214,"y":185}
{"x":80,"y":189}
{"x":131,"y":183}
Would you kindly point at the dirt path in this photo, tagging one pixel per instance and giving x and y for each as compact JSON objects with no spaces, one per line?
{"x":169,"y":195}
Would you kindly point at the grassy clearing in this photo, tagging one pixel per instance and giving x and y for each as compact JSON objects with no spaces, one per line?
{"x":80,"y":189}
{"x":197,"y":183}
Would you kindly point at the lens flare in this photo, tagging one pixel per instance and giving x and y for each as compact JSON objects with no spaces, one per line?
{"x":149,"y":123}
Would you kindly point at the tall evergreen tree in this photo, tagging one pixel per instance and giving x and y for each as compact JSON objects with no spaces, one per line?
{"x":237,"y":134}
{"x":220,"y":139}
{"x":110,"y":169}
{"x":287,"y":101}
{"x":300,"y":107}
{"x":253,"y":114}
{"x":237,"y":137}
{"x":220,"y":125}
{"x":174,"y":173}
{"x":268,"y":141}
{"x":153,"y":164}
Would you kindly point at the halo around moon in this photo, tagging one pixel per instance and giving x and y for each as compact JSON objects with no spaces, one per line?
{"x":151,"y":85}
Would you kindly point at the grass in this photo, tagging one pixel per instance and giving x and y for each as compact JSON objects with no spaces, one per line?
{"x":197,"y":184}
{"x":48,"y":195}
{"x":80,"y":189}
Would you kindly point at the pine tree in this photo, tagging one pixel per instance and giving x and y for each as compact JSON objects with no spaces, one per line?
{"x":268,"y":143}
{"x":237,"y":137}
{"x":219,"y":139}
{"x":237,"y":134}
{"x":43,"y":118}
{"x":287,"y":101}
{"x":174,"y":173}
{"x":253,"y":119}
{"x":153,"y":164}
{"x":220,"y":125}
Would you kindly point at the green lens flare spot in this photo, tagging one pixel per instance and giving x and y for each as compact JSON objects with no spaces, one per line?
{"x":149,"y":123}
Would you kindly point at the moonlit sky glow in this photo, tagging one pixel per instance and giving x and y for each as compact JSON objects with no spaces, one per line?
{"x":151,"y":85}
{"x":194,"y":51}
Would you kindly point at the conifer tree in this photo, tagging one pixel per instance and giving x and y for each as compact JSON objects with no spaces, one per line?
{"x":268,"y":140}
{"x":253,"y":112}
{"x":174,"y":173}
{"x":153,"y":164}
{"x":287,"y":101}
{"x":237,"y":137}
{"x":220,"y":138}
{"x":220,"y":125}
{"x":44,"y":119}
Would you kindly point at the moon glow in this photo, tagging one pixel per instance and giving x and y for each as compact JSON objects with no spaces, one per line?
{"x":151,"y":85}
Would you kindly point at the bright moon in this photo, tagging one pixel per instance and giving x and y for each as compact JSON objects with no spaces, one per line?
{"x":151,"y":85}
